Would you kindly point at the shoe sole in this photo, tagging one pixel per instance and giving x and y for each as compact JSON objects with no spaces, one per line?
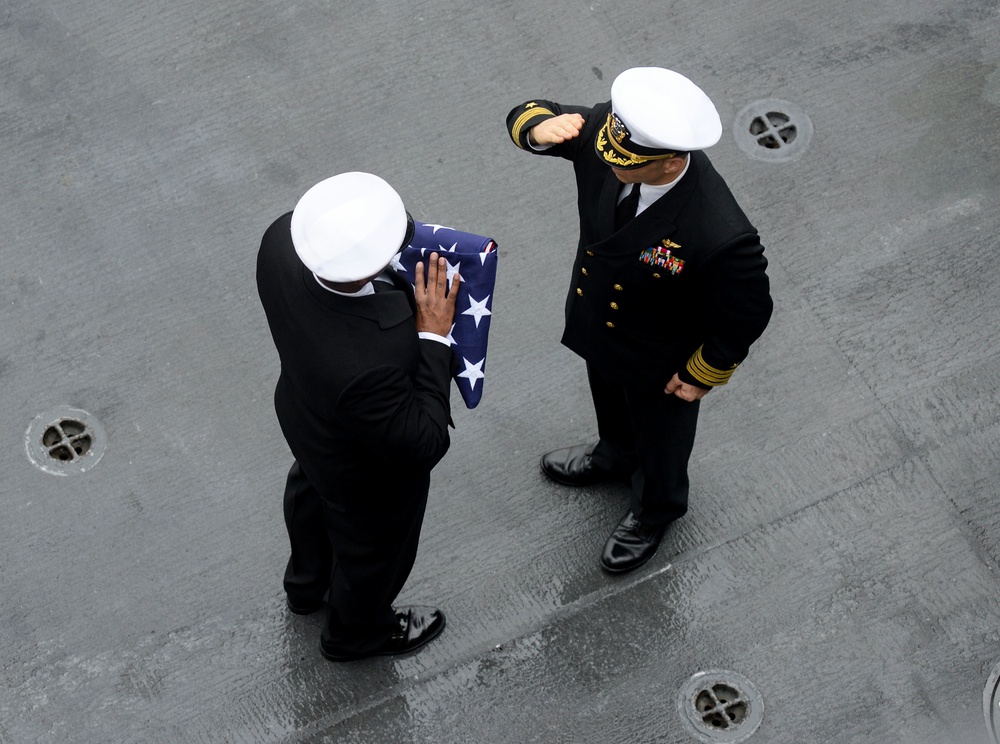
{"x":354,"y":657}
{"x":633,"y":567}
{"x":303,"y":610}
{"x":577,"y":484}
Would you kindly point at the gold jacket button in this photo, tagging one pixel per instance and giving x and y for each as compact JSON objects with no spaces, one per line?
{"x":614,"y":305}
{"x":583,"y":271}
{"x":590,"y":253}
{"x":610,"y":324}
{"x":579,"y":291}
{"x":656,"y":276}
{"x":619,"y":287}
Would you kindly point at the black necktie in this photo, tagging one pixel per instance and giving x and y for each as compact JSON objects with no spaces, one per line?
{"x":626,"y":207}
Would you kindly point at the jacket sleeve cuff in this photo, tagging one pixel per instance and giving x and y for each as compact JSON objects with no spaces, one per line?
{"x":523,"y":119}
{"x":699,"y":372}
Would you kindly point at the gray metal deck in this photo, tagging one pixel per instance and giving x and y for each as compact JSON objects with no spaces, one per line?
{"x":843,"y":545}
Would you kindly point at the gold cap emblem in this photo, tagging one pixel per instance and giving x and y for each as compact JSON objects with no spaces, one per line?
{"x":618,"y":129}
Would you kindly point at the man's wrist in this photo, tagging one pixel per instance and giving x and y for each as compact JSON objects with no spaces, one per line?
{"x":429,"y":336}
{"x":533,"y":144}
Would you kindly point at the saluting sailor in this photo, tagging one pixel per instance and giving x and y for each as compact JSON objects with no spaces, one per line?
{"x":668,"y":291}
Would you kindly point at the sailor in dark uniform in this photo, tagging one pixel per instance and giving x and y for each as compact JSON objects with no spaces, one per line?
{"x":363,"y":402}
{"x":668,"y":289}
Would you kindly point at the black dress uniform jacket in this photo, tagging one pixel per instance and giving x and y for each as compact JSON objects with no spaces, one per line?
{"x":680,"y":288}
{"x":364,"y":406}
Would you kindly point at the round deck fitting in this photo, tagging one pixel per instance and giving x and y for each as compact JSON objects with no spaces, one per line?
{"x":720,"y":706}
{"x":65,"y":441}
{"x":772,"y":130}
{"x":991,"y":705}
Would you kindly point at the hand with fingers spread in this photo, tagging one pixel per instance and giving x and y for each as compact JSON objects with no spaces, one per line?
{"x":556,"y":130}
{"x":435,"y":304}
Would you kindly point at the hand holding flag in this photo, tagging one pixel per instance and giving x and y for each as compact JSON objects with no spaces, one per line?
{"x":474,"y":257}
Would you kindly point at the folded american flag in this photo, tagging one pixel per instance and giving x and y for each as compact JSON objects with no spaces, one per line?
{"x":475,"y":259}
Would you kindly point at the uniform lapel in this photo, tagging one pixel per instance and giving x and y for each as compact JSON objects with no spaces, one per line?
{"x":606,"y":205}
{"x":653,"y":224}
{"x":401,"y":283}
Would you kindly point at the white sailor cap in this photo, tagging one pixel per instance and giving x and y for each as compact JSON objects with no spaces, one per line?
{"x":655,"y":113}
{"x":349,"y":227}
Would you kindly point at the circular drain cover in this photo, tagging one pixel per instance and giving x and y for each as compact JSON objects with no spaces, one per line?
{"x":720,"y":706}
{"x":772,"y":130}
{"x":65,"y":441}
{"x":991,"y":705}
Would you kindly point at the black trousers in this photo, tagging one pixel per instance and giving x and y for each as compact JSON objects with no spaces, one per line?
{"x":357,"y":552}
{"x":646,"y":436}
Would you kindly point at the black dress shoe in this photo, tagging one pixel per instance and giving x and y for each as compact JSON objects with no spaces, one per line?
{"x":417,"y":626}
{"x":300,"y":607}
{"x":574,"y":466}
{"x":631,"y":544}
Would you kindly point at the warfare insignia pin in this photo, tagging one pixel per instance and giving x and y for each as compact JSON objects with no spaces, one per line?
{"x":669,"y":243}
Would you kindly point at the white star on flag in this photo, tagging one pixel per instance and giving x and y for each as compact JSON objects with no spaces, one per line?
{"x":437,"y":227}
{"x":477,"y":308}
{"x":473,"y":372}
{"x":397,"y":265}
{"x":467,"y":336}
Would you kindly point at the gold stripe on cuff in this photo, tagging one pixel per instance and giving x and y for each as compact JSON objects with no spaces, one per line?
{"x":705,"y":373}
{"x":519,"y":123}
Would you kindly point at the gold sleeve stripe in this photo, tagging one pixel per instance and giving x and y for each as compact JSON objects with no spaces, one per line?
{"x":705,"y":373}
{"x":531,"y":113}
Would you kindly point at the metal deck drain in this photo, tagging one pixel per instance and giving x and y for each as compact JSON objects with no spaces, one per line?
{"x":772,"y":130}
{"x":720,"y":706}
{"x":991,"y":705}
{"x":65,"y":441}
